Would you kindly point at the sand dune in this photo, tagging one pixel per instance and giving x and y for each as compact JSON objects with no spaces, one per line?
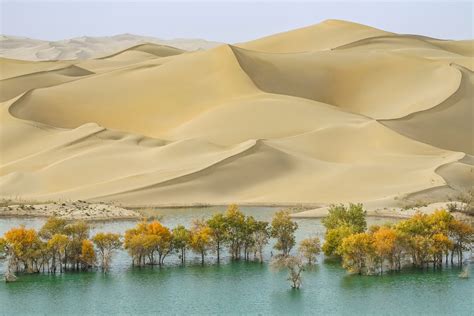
{"x":334,"y":112}
{"x":161,"y":96}
{"x":87,"y":47}
{"x":12,"y":87}
{"x":455,"y":113}
{"x":357,"y":82}
{"x":323,"y":36}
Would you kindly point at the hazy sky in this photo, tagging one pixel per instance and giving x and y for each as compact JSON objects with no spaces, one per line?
{"x":226,"y":21}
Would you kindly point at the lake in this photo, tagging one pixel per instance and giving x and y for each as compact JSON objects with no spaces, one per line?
{"x":237,"y":288}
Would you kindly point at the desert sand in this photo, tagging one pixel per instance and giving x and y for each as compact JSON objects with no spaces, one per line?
{"x":86,"y":47}
{"x":70,"y":210}
{"x":374,"y":209}
{"x":333,"y":112}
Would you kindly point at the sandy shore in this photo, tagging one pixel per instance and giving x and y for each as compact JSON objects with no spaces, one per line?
{"x":78,"y":210}
{"x":82,"y":210}
{"x":377,"y":211}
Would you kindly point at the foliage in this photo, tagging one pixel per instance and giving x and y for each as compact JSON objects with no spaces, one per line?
{"x":309,"y":248}
{"x":200,"y":238}
{"x":283,"y":229}
{"x":88,"y":257}
{"x":235,"y":222}
{"x":24,"y":246}
{"x":218,"y":228}
{"x":261,"y":236}
{"x":357,"y":250}
{"x":340,"y":215}
{"x":333,"y":238}
{"x":294,"y":265}
{"x":421,"y":240}
{"x":53,"y":225}
{"x":106,"y":244}
{"x":181,"y":241}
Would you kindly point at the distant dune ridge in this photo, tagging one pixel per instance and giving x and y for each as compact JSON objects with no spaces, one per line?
{"x":333,"y":112}
{"x":86,"y":47}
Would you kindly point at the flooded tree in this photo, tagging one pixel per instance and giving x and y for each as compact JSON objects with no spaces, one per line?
{"x":235,"y":231}
{"x":309,"y":248}
{"x":181,"y":241}
{"x":106,"y":244}
{"x":24,"y":248}
{"x":161,"y":240}
{"x":200,"y":238}
{"x":294,"y":265}
{"x":283,"y":229}
{"x":462,"y":235}
{"x":333,"y":239}
{"x":261,"y":236}
{"x":357,"y":252}
{"x":88,"y":256}
{"x":56,"y":247}
{"x":421,"y":240}
{"x":218,"y":228}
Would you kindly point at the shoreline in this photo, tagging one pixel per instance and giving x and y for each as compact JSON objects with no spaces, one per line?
{"x":103,"y":212}
{"x":387,"y":212}
{"x":73,"y":210}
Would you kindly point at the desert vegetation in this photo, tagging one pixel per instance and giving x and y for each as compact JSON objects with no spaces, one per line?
{"x":58,"y":246}
{"x":420,"y":241}
{"x":61,"y":246}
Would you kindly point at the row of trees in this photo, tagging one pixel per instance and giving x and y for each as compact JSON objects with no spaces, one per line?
{"x":240,"y":235}
{"x":60,"y":245}
{"x":57,"y":246}
{"x":421,"y":240}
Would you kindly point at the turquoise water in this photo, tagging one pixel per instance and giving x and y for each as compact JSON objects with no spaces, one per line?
{"x":232,"y":288}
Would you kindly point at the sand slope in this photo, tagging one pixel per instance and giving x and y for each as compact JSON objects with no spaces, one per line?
{"x":334,"y":112}
{"x":86,"y":47}
{"x":326,"y":35}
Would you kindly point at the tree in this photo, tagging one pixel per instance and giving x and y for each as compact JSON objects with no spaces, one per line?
{"x":283,"y":229}
{"x":261,"y":235}
{"x":440,"y":245}
{"x":52,"y":226}
{"x":200,"y":238}
{"x":57,"y":245}
{"x":162,"y":240}
{"x":333,"y":239}
{"x":309,"y":248}
{"x":463,"y":238}
{"x":248,"y":240}
{"x":181,"y":241}
{"x":77,"y":233}
{"x":218,"y":228}
{"x":357,"y":250}
{"x":340,"y":215}
{"x":294,"y":265}
{"x":387,"y":246}
{"x":235,"y":222}
{"x":88,"y":257}
{"x":136,"y":243}
{"x":106,"y":244}
{"x":24,"y":245}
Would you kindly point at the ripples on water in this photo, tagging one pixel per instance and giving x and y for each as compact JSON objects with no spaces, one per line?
{"x":232,"y":288}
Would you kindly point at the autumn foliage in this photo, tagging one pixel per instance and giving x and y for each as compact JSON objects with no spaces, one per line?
{"x":420,"y":241}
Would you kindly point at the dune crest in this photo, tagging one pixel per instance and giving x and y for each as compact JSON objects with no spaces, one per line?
{"x":333,"y":112}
